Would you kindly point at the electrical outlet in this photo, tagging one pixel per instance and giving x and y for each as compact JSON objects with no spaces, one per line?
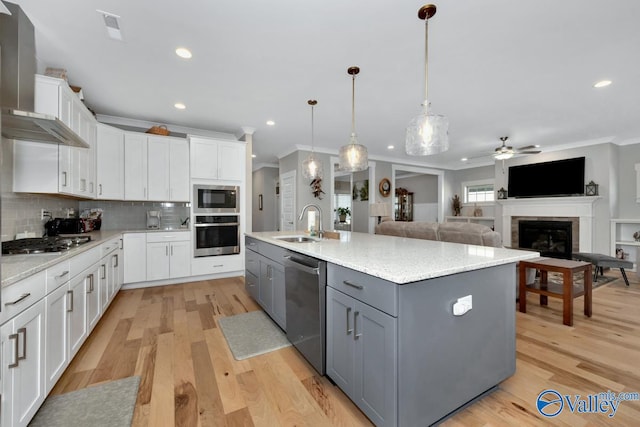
{"x":44,"y":214}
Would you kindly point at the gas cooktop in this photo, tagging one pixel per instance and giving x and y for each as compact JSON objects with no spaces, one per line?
{"x":43,"y":245}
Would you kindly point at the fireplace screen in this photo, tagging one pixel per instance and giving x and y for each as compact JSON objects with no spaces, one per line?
{"x":550,"y":238}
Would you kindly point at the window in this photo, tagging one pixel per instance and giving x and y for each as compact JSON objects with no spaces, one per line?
{"x":478,"y":192}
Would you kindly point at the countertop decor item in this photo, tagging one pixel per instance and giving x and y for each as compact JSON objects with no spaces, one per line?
{"x":385,"y":187}
{"x":353,"y":156}
{"x":312,"y":167}
{"x":636,"y":236}
{"x":427,"y":133}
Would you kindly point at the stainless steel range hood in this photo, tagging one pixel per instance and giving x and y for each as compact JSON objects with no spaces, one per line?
{"x":19,"y":121}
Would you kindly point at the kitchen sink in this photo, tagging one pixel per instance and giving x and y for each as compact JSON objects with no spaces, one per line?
{"x":296,"y":239}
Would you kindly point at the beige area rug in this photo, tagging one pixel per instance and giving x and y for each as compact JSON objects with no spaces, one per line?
{"x":251,"y":334}
{"x":578,"y":279}
{"x":106,"y":405}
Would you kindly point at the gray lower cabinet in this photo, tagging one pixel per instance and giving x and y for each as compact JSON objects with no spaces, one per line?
{"x":264,"y":278}
{"x":362,"y":355}
{"x":403,"y":357}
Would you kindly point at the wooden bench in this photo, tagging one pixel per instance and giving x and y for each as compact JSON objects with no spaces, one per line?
{"x":565,"y":290}
{"x":601,"y":261}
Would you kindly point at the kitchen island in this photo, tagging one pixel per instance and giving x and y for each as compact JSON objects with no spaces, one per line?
{"x":415,"y":329}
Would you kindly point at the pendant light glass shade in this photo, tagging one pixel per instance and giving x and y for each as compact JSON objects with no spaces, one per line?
{"x":312,"y":167}
{"x":427,"y":133}
{"x":353,"y":157}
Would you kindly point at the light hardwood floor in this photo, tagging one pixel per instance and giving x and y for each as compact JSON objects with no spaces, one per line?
{"x":170,"y":337}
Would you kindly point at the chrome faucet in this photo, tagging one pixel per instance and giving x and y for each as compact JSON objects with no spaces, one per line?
{"x":311,"y":205}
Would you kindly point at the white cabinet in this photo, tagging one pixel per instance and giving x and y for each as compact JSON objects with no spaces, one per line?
{"x":216,"y":159}
{"x":46,"y":168}
{"x":168,"y":168}
{"x":109,"y":163}
{"x":135,"y":257}
{"x":168,"y":255}
{"x":135,"y":166}
{"x":93,"y":295}
{"x":109,"y":271}
{"x":23,"y":389}
{"x":56,"y":338}
{"x":77,"y":314}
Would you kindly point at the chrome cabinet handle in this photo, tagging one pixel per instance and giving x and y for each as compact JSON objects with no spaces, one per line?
{"x":116,"y":259}
{"x":22,"y":297}
{"x":23,"y":331}
{"x":171,"y":250}
{"x":121,"y":243}
{"x":100,"y":189}
{"x":103,"y":274}
{"x":65,"y":179}
{"x":90,"y":277}
{"x":353,"y":285}
{"x":355,"y":325}
{"x":91,"y":187}
{"x":70,"y":309}
{"x":64,"y":273}
{"x":349,"y":330}
{"x":15,"y":352}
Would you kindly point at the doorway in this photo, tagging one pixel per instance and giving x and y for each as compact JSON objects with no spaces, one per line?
{"x":360,"y":185}
{"x":427,"y":186}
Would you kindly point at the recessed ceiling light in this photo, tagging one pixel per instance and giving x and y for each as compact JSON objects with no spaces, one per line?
{"x":179,"y":105}
{"x":464,"y":159}
{"x":602,"y":83}
{"x":183,"y":52}
{"x":253,"y":156}
{"x":390,"y":147}
{"x":271,"y":122}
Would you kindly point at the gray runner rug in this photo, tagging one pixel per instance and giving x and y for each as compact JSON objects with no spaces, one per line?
{"x":251,"y":334}
{"x":105,"y":405}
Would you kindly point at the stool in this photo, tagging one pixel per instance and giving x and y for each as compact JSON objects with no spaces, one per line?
{"x":601,"y":261}
{"x":567,"y":268}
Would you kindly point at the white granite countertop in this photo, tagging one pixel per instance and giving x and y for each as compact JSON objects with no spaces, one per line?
{"x":397,"y":259}
{"x":17,"y":267}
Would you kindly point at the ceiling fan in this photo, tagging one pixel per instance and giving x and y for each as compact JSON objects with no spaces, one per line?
{"x":506,"y":151}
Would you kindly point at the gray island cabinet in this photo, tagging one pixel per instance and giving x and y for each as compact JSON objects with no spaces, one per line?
{"x":415,"y":329}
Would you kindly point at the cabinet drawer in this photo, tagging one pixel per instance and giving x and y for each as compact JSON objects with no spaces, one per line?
{"x":252,"y":262}
{"x":273,"y":252}
{"x":251,"y":243}
{"x":81,"y":262}
{"x":58,"y":275}
{"x":110,"y":246}
{"x":371,"y":290}
{"x":21,"y":295}
{"x":171,"y":236}
{"x":217,"y":264}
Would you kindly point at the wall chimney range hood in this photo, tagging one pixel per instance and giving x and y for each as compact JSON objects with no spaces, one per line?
{"x":19,"y":121}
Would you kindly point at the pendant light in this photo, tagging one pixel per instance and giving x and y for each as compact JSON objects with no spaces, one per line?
{"x":353,"y":156}
{"x":312,"y":167}
{"x":427,"y":133}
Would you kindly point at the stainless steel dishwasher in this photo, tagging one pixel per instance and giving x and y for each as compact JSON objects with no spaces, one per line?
{"x":305,"y":290}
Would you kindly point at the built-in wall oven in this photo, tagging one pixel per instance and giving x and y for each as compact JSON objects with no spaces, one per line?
{"x":212,"y":199}
{"x":216,"y":235}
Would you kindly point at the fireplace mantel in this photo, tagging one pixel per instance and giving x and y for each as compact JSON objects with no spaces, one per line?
{"x":579,"y":206}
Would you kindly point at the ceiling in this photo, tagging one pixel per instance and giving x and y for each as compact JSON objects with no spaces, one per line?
{"x":523,"y":69}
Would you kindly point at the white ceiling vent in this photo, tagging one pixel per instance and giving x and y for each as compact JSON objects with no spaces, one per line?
{"x":112,"y":24}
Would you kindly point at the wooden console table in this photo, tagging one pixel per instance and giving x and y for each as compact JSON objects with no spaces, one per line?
{"x":565,"y":291}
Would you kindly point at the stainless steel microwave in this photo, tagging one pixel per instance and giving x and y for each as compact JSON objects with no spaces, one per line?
{"x":208,"y":199}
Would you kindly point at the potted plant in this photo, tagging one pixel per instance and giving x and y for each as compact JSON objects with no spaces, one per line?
{"x":342,"y":213}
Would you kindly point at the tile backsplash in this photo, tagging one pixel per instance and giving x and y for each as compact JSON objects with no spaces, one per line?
{"x":22,"y":211}
{"x":118,"y":215}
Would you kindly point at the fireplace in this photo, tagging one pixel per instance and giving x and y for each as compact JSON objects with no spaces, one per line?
{"x":550,"y":238}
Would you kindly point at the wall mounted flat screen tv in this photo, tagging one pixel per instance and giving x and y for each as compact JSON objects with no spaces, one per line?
{"x":548,"y":179}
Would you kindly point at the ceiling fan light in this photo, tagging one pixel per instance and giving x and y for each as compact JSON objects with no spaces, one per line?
{"x":503,"y":156}
{"x":353,"y":157}
{"x":427,"y":134}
